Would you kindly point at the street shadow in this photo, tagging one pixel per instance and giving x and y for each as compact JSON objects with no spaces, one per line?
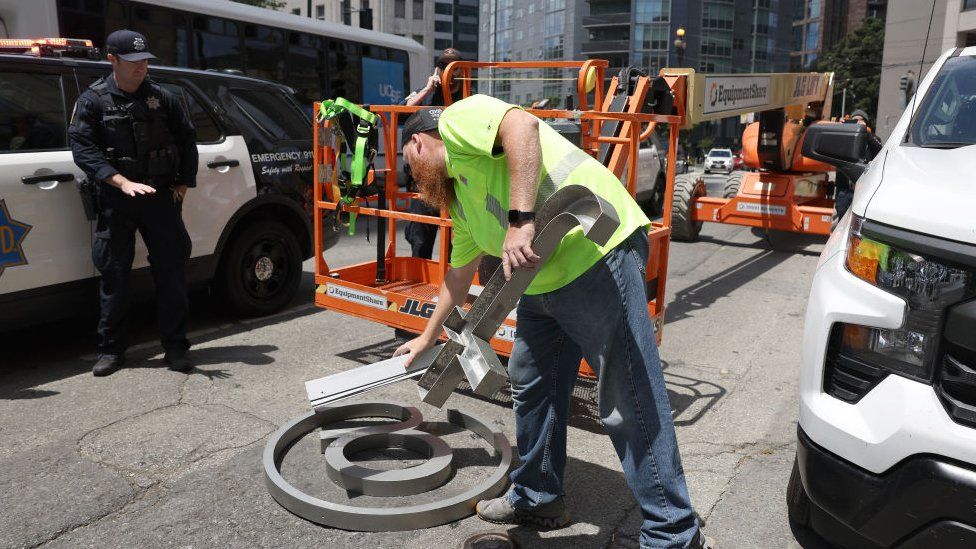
{"x":588,"y":487}
{"x":690,"y":398}
{"x":705,"y":292}
{"x":67,"y":347}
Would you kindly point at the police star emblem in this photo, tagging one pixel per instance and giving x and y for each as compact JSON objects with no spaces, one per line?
{"x":12,"y":235}
{"x":152,"y":103}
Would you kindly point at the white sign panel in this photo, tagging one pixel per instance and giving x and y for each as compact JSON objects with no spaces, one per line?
{"x":506,"y":332}
{"x":356,"y":296}
{"x":731,"y":93}
{"x":767,"y":209}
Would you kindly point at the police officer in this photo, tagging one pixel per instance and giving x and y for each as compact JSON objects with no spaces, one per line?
{"x":135,"y":140}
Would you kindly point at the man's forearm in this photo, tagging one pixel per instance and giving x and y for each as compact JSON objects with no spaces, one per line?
{"x":520,"y":138}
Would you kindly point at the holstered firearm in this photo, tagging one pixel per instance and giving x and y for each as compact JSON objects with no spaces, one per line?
{"x":89,"y":198}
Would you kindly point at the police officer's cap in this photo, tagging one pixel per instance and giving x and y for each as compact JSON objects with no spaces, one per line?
{"x":128,"y":45}
{"x":423,"y":120}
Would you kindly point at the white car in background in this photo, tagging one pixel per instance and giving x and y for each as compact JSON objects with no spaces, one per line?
{"x":886,"y":450}
{"x":719,"y":160}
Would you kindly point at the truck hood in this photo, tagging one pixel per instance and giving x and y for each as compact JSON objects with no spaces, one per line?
{"x":930,"y":191}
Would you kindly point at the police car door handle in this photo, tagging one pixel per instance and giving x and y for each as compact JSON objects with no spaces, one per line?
{"x":47,"y":178}
{"x":214,"y":164}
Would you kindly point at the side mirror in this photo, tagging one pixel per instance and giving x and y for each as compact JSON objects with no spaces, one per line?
{"x":841,"y":145}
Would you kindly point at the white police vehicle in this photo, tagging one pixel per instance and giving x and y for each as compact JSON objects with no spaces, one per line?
{"x":248,"y":218}
{"x":886,"y":455}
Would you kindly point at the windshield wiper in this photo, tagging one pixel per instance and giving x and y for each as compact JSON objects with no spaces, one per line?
{"x":946,"y":145}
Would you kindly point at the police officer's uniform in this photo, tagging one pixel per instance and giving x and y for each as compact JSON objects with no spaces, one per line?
{"x":148,"y":138}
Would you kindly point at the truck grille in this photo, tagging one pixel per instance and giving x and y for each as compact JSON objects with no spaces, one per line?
{"x":956,"y":384}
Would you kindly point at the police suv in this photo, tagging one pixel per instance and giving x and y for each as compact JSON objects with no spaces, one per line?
{"x":886,"y":450}
{"x":248,"y":218}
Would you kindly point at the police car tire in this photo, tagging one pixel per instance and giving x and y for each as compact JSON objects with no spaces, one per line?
{"x":683,"y":227}
{"x":243,"y":289}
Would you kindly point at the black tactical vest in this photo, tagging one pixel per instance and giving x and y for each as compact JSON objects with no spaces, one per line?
{"x":138,"y":141}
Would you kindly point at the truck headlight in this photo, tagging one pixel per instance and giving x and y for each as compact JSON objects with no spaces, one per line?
{"x":928,"y":287}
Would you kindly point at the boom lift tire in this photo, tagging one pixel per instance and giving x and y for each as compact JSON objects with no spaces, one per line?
{"x":687,"y":188}
{"x":732,"y":185}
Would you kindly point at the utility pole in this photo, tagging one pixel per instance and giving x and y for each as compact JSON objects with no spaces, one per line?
{"x":843,"y":103}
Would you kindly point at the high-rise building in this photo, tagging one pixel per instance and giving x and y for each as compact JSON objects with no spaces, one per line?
{"x":529,"y":30}
{"x":818,"y":25}
{"x":718,"y":35}
{"x":907,"y":54}
{"x":435,"y":24}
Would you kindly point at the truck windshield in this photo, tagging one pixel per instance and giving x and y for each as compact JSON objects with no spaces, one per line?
{"x":947,"y":117}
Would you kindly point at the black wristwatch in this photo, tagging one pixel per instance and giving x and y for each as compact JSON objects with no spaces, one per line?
{"x":518,"y":216}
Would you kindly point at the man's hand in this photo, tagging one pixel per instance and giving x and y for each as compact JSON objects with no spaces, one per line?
{"x":433,"y":82}
{"x":413,"y":348}
{"x":130,"y":188}
{"x":179,"y":192}
{"x":517,"y":251}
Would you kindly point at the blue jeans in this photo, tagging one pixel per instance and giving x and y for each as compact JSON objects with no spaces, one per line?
{"x":602,"y":316}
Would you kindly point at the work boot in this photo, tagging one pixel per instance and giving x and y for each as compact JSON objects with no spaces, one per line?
{"x":107,"y":365}
{"x":700,"y":541}
{"x":501,"y":511}
{"x":178,"y":362}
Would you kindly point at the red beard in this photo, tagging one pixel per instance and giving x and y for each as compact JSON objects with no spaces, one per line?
{"x":434,"y":188}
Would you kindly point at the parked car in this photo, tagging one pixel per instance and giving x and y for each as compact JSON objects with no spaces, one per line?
{"x":651,"y":182}
{"x":248,"y":218}
{"x":886,"y":452}
{"x":737,"y":162}
{"x":718,"y":160}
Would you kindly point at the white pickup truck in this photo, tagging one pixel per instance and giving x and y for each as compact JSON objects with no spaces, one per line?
{"x":886,"y":453}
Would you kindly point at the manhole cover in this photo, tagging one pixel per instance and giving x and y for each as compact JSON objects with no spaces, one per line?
{"x":490,"y":540}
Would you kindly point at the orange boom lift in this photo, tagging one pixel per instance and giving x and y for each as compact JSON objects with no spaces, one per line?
{"x":399,"y":291}
{"x":788,"y":192}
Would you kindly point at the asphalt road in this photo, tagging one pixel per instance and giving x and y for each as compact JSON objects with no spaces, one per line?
{"x":154,"y":458}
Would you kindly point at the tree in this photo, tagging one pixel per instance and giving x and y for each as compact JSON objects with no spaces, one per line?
{"x":270,"y":4}
{"x":856,"y":64}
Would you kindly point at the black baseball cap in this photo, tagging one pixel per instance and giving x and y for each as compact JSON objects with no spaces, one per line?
{"x":423,"y":120}
{"x":448,"y":55}
{"x":128,"y":45}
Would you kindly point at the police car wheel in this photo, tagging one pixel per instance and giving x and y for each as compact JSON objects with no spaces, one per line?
{"x":262,"y":269}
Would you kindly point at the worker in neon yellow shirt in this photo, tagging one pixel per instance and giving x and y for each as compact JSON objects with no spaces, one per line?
{"x":492,"y":165}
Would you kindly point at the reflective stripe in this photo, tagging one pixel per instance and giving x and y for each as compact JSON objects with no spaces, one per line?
{"x":549,"y":184}
{"x":495,"y":208}
{"x":558,"y":175}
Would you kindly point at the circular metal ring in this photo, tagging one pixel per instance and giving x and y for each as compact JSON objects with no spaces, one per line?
{"x":380,"y":519}
{"x":398,"y":482}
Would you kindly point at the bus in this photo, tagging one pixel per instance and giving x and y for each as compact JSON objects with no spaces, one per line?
{"x":318,"y":59}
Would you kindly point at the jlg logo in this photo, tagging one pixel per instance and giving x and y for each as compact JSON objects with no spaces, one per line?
{"x":417,"y":308}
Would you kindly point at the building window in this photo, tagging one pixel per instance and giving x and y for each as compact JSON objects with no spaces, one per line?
{"x":320,"y":11}
{"x":400,"y":8}
{"x":418,"y":9}
{"x":442,"y":43}
{"x":445,"y":9}
{"x":419,"y":38}
{"x":443,"y":26}
{"x":296,"y":11}
{"x":968,"y":5}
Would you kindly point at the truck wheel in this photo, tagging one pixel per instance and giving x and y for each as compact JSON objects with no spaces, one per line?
{"x":732,"y":185}
{"x":797,"y":501}
{"x":261,"y":269}
{"x":686,"y":189}
{"x":654,"y":205}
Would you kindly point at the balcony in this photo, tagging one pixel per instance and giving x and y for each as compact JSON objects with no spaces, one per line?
{"x":606,"y":46}
{"x":606,"y":20}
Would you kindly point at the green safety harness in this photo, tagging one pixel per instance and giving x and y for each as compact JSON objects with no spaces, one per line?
{"x":356,"y":137}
